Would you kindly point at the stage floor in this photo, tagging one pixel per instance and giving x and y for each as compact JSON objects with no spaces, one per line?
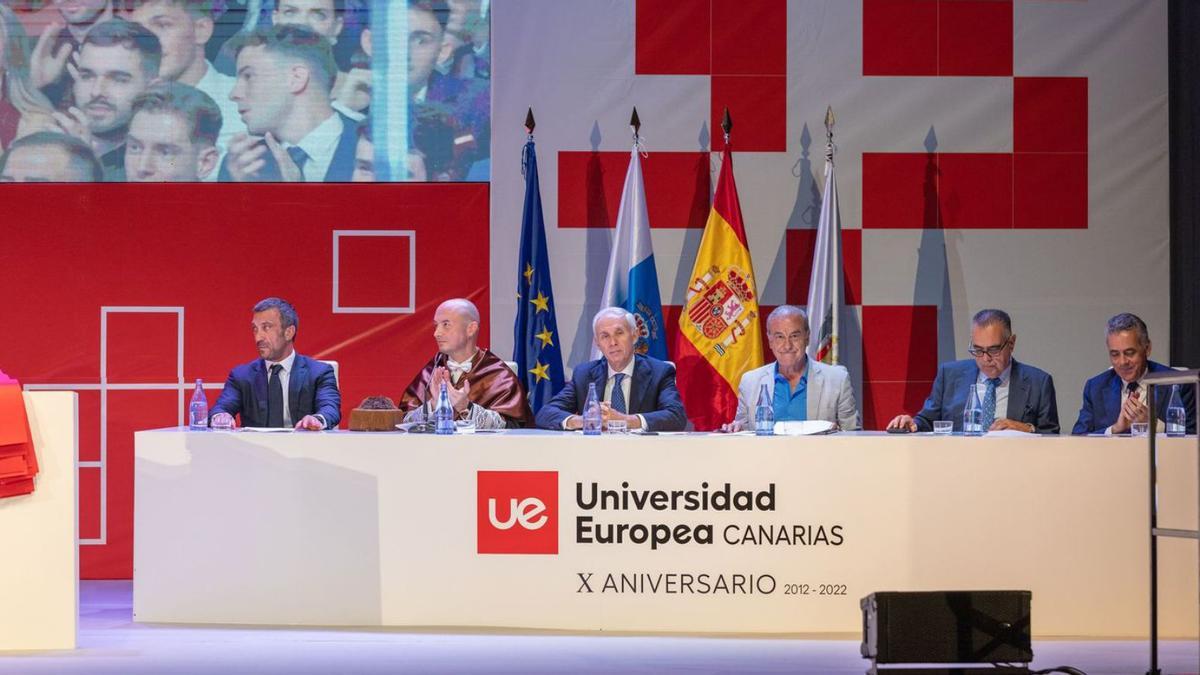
{"x":110,"y":643}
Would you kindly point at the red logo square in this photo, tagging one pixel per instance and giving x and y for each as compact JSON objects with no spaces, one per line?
{"x":517,"y":512}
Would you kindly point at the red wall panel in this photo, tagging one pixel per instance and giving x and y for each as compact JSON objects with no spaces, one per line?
{"x":214,"y":250}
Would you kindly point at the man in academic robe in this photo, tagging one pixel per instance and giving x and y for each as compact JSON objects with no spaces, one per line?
{"x":481,"y":387}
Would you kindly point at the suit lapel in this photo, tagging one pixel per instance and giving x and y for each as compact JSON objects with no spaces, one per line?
{"x":1018,"y":392}
{"x":816,"y":384}
{"x":1112,"y":399}
{"x":260,"y":394}
{"x":598,"y":374}
{"x":296,"y":379}
{"x":637,"y":387}
{"x":341,"y":167}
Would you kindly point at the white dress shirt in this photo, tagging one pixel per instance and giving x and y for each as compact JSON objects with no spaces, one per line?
{"x":320,"y":145}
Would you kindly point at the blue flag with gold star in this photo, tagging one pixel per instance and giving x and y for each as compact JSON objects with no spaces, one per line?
{"x":537,"y":349}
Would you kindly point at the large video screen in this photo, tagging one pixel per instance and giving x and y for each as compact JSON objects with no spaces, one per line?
{"x":245,"y":90}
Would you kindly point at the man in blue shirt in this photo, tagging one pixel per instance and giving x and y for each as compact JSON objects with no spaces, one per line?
{"x":801,"y":388}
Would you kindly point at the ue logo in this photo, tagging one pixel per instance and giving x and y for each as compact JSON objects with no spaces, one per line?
{"x":517,"y":512}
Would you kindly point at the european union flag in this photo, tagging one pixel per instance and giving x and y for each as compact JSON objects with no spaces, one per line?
{"x":536,"y":345}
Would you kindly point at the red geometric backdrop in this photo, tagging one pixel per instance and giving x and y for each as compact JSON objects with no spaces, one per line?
{"x":741,"y":46}
{"x":100,"y":279}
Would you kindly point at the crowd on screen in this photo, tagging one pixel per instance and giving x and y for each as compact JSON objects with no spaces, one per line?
{"x":197,"y":90}
{"x":640,"y":391}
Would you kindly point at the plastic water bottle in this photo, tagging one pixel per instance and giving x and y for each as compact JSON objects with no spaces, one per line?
{"x":198,"y":409}
{"x":1176,"y":414}
{"x":764,"y":413}
{"x":592,"y":420}
{"x":444,"y":414}
{"x":973,"y":413}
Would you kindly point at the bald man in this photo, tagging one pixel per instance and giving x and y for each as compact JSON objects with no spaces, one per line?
{"x":482,"y":388}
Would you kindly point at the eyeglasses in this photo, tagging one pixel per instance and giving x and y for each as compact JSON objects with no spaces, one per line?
{"x":992,"y":351}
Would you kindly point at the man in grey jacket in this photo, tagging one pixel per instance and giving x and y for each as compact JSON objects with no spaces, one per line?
{"x":800,"y":388}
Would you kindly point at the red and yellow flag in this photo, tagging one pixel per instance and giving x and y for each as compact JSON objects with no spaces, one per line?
{"x":719,"y":336}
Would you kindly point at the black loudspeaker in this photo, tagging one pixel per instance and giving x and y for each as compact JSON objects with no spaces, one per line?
{"x":947,"y":627}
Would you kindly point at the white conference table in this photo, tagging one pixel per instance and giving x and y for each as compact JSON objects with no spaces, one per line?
{"x":370,"y":529}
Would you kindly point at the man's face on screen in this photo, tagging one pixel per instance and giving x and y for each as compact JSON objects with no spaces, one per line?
{"x":159,"y":148}
{"x":364,"y":162}
{"x":424,"y":43}
{"x":273,"y":341}
{"x":261,"y":92}
{"x":318,"y":15}
{"x":181,"y":34}
{"x":80,"y":12}
{"x":110,"y":77}
{"x":43,"y":164}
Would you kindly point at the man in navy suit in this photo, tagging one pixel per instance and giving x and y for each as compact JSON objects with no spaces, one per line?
{"x":284,"y":78}
{"x":1117,"y":398}
{"x":637,"y":389}
{"x":282,"y":388}
{"x":1014,"y":395}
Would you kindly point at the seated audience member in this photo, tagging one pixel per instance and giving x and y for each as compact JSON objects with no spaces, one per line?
{"x":481,"y":387}
{"x":284,"y":77}
{"x":117,"y":62}
{"x":184,"y":27}
{"x":364,"y":156}
{"x":280,"y":388}
{"x":364,"y":159}
{"x":637,"y":389}
{"x":23,"y":108}
{"x":49,"y":157}
{"x":1015,"y":395}
{"x":801,"y":388}
{"x":59,"y":45}
{"x":1116,"y":398}
{"x":173,"y":135}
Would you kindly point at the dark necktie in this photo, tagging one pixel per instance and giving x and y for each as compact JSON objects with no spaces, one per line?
{"x":275,"y":398}
{"x":1133,"y":388}
{"x":299,"y":156}
{"x":617,"y":400}
{"x":989,"y":402}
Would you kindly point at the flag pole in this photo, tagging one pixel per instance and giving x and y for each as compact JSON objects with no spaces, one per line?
{"x":836,"y":242}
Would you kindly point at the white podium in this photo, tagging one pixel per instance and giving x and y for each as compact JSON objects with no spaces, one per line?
{"x":504,"y":531}
{"x":39,"y":557}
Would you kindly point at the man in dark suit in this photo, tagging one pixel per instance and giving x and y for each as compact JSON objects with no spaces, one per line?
{"x":284,"y":78}
{"x":1116,"y":398}
{"x":282,"y":388}
{"x":1014,"y":395}
{"x":637,"y":389}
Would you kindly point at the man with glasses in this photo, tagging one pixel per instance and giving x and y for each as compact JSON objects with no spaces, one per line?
{"x":801,"y":388}
{"x":1014,"y":395}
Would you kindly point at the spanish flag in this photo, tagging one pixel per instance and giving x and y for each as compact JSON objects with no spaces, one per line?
{"x":719,"y":336}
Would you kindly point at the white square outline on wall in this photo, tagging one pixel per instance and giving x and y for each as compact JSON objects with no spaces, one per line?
{"x":410,"y":308}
